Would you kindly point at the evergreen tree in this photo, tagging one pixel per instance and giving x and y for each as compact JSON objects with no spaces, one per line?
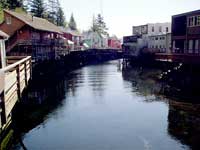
{"x":94,"y":26}
{"x":72,"y":23}
{"x":99,"y":26}
{"x":37,"y":8}
{"x":3,"y":4}
{"x":12,"y":4}
{"x":53,"y":6}
{"x":102,"y":29}
{"x":60,"y":17}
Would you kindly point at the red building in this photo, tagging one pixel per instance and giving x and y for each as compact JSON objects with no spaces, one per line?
{"x":114,"y":43}
{"x":33,"y":36}
{"x":74,"y":38}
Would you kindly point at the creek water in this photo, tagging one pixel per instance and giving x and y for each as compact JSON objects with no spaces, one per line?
{"x":106,"y":107}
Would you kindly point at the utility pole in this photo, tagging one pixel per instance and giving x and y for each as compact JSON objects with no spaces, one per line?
{"x":101,"y":7}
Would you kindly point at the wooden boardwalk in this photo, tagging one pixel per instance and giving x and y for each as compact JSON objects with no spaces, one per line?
{"x":14,"y":79}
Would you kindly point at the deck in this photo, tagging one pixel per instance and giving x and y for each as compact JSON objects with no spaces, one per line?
{"x":180,"y":58}
{"x":14,"y":79}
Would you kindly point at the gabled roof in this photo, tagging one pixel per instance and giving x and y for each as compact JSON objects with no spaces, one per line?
{"x":35,"y":22}
{"x":68,"y":30}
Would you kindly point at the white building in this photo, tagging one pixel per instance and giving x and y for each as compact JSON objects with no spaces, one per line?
{"x":95,"y":40}
{"x":160,"y":43}
{"x":152,"y":29}
{"x":154,"y":36}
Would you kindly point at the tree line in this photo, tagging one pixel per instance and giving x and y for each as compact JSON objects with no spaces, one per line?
{"x":52,"y":11}
{"x":99,"y":26}
{"x":48,"y":9}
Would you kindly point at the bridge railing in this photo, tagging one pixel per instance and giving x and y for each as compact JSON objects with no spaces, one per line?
{"x":13,"y":80}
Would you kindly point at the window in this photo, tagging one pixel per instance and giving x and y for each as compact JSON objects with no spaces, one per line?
{"x":8,"y":20}
{"x":196,"y":46}
{"x":164,"y":46}
{"x":185,"y":44}
{"x":156,"y":47}
{"x":167,"y":29}
{"x":156,"y":38}
{"x":191,"y":21}
{"x":152,"y":29}
{"x":174,"y":46}
{"x":160,"y":29}
{"x":190,"y":46}
{"x":198,"y":20}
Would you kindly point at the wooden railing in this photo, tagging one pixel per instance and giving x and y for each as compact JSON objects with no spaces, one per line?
{"x":13,"y":80}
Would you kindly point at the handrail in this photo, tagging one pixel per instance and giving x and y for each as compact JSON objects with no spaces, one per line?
{"x":10,"y":67}
{"x":15,"y":77}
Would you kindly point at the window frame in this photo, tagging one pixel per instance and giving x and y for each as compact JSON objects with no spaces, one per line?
{"x":8,"y":20}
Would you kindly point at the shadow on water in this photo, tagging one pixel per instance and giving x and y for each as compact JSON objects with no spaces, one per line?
{"x":184,"y":123}
{"x":183,"y":116}
{"x":43,"y":96}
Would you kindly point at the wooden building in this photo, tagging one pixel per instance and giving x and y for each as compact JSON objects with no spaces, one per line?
{"x":29,"y":35}
{"x":114,"y":43}
{"x":15,"y":73}
{"x":74,"y":38}
{"x":186,"y":33}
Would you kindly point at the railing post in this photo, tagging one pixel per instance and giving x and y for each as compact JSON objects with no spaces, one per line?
{"x":18,"y":81}
{"x":25,"y":70}
{"x":2,"y":98}
{"x":30,"y":65}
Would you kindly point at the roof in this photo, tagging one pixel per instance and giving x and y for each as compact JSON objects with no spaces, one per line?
{"x":68,"y":30}
{"x":3,"y":35}
{"x":35,"y":22}
{"x":188,"y":13}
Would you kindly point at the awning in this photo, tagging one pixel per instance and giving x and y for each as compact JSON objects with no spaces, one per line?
{"x":63,"y":37}
{"x":85,"y":45}
{"x":70,"y":42}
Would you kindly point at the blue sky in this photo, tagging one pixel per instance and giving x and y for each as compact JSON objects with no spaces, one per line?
{"x":121,"y":15}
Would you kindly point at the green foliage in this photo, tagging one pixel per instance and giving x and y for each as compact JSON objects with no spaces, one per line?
{"x":52,"y":11}
{"x":99,"y":26}
{"x":12,"y":4}
{"x":53,"y":6}
{"x":72,"y":23}
{"x":3,"y":4}
{"x":60,"y":17}
{"x":6,"y":140}
{"x":37,"y":8}
{"x":1,"y":15}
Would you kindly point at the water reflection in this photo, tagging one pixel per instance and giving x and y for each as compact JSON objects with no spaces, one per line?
{"x":144,"y":82}
{"x":184,"y":123}
{"x":105,"y":107}
{"x":183,"y":116}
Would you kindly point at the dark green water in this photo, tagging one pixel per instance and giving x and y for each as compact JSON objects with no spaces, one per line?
{"x":103,"y":107}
